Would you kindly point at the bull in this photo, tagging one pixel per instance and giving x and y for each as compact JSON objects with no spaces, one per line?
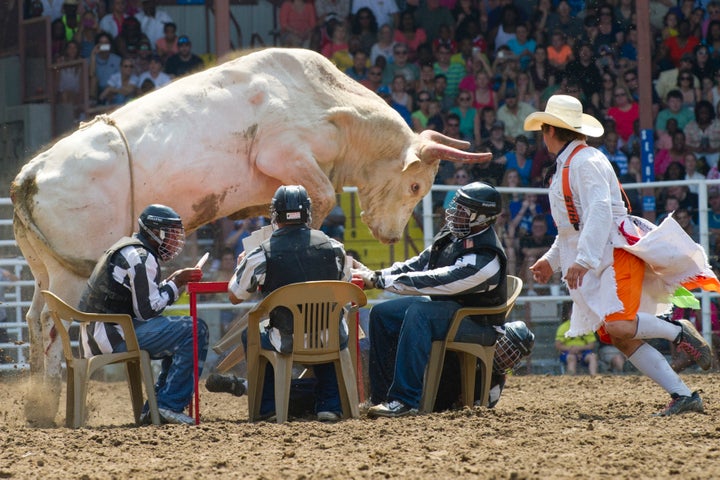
{"x":213,"y":144}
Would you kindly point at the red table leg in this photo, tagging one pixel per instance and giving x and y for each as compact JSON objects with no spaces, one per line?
{"x":193,"y":289}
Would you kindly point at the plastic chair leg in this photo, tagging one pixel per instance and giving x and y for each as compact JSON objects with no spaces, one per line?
{"x":80,"y":394}
{"x":134,"y":379}
{"x":468,"y":364}
{"x":256,"y":373}
{"x":486,"y":366}
{"x":347,"y":384}
{"x":283,"y":377}
{"x":432,"y":376}
{"x":70,"y":398}
{"x":149,"y":382}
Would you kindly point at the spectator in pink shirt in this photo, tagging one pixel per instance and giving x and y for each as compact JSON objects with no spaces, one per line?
{"x":297,"y":22}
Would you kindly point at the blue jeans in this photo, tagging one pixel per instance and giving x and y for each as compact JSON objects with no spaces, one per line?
{"x":327,"y":394}
{"x":170,"y":339}
{"x":401,"y":334}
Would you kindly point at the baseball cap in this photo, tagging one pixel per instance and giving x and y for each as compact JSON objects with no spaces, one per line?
{"x":384,"y":90}
{"x":687,"y":57}
{"x":510,"y":92}
{"x":183,"y":39}
{"x":498,"y":124}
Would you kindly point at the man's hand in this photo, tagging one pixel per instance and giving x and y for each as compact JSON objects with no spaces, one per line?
{"x":182,"y":277}
{"x":542,"y":271}
{"x":367,"y":276}
{"x":358,"y":265}
{"x":574,"y":275}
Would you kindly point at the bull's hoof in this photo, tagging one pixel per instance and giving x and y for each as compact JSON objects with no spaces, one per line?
{"x":41,"y":403}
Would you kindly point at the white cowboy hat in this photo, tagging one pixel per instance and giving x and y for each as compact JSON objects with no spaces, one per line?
{"x":565,"y":111}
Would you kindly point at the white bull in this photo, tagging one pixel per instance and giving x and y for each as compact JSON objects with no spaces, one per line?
{"x":214,"y":144}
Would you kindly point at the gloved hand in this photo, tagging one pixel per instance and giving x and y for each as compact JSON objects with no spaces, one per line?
{"x":368,"y":277}
{"x":182,"y":277}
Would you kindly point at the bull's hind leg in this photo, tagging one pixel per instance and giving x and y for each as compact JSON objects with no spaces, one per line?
{"x":37,"y":410}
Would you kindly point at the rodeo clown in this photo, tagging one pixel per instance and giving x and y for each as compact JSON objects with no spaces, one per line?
{"x":603,"y":253}
{"x":464,"y":266}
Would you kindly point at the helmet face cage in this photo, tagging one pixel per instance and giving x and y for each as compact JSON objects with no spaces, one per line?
{"x":461,"y":219}
{"x":170,"y":235}
{"x":517,"y":342}
{"x":507,"y":356}
{"x":173,"y":241}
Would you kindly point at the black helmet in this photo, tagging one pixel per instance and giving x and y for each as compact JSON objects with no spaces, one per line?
{"x":164,"y":226}
{"x":291,"y":204}
{"x":517,"y":342}
{"x":474,"y":204}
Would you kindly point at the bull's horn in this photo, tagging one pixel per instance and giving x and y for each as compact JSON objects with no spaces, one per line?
{"x":437,"y":146}
{"x":438,"y":137}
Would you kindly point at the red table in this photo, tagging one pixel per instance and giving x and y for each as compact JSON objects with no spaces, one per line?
{"x":193,"y":288}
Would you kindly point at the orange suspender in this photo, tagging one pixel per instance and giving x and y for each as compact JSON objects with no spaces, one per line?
{"x":567,"y":193}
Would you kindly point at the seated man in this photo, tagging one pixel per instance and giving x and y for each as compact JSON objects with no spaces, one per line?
{"x":574,"y":350}
{"x":465,"y":266}
{"x":127,"y":279}
{"x":294,"y":253}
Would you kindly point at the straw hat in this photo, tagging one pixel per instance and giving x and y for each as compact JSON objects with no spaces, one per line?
{"x":565,"y":111}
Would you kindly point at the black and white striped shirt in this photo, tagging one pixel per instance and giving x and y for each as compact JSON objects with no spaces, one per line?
{"x":136,"y":269}
{"x":475,"y":272}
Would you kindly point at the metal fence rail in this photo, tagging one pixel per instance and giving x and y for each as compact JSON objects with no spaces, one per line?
{"x":539,"y":310}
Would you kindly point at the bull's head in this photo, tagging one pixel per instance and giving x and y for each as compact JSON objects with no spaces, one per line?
{"x":389,"y":201}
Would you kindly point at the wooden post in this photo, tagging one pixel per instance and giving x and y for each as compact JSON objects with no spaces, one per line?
{"x":222,"y":27}
{"x":647,"y":147}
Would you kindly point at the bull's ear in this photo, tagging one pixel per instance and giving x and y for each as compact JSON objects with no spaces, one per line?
{"x":409,"y":161}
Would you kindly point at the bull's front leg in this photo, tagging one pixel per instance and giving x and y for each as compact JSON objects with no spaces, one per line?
{"x":299,"y":167}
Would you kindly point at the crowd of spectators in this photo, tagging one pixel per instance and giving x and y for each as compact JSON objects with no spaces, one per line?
{"x":475,"y":69}
{"x":472,"y":69}
{"x":131,"y":47}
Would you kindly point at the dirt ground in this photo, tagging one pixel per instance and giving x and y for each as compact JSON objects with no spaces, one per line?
{"x":544,"y":427}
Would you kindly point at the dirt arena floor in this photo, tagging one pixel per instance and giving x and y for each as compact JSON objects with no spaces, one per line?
{"x":545,"y":427}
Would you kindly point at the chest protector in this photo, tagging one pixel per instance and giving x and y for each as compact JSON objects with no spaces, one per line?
{"x":102,"y":293}
{"x":299,"y":254}
{"x":446,"y":250}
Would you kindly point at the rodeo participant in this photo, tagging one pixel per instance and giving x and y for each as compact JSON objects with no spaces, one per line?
{"x":464,"y":266}
{"x":127,"y":279}
{"x":602,"y":252}
{"x":293,"y":253}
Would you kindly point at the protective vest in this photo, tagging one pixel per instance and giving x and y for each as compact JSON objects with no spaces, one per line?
{"x":299,"y":254}
{"x":103,"y":294}
{"x":295,"y":254}
{"x":445,"y":252}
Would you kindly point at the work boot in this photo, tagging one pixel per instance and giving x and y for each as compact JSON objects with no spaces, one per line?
{"x":226,"y":384}
{"x":691,"y":342}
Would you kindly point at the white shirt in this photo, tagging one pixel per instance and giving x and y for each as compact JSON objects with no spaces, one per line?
{"x":154,"y":27}
{"x":107,"y":24}
{"x":52,"y":9}
{"x":115,"y":80}
{"x":383,"y":10}
{"x":162,"y":79}
{"x":673,"y":257}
